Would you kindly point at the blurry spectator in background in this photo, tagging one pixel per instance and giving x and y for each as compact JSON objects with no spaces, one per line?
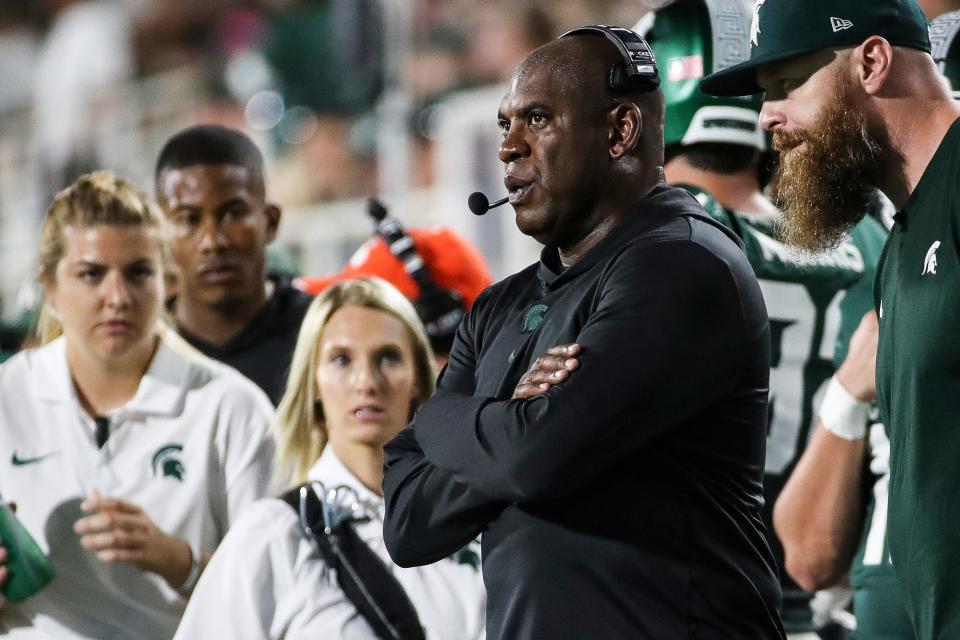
{"x":934,"y":8}
{"x":86,"y":54}
{"x":18,"y":51}
{"x":455,"y":270}
{"x":210,"y":183}
{"x":327,"y":53}
{"x":501,"y":34}
{"x":170,"y":33}
{"x":131,"y":454}
{"x":361,"y":368}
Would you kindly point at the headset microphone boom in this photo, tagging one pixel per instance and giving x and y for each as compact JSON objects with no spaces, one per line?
{"x":479,"y":203}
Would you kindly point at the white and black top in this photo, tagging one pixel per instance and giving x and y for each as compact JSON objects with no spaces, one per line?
{"x":191,"y":449}
{"x":267,"y":580}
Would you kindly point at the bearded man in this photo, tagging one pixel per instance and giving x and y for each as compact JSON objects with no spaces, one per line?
{"x":855,"y":102}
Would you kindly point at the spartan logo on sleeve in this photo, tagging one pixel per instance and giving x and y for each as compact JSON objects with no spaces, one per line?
{"x":930,"y":261}
{"x":755,"y":25}
{"x":534,"y":318}
{"x":166,"y":461}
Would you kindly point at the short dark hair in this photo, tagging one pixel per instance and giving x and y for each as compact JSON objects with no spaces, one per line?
{"x":209,"y":144}
{"x":717,"y":157}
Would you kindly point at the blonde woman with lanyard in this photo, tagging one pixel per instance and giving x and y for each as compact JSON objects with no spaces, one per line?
{"x":361,"y":367}
{"x":131,"y":454}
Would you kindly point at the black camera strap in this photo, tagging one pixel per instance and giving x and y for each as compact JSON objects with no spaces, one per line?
{"x":365,"y":579}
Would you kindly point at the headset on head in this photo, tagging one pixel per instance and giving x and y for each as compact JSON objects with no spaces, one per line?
{"x":639,"y":69}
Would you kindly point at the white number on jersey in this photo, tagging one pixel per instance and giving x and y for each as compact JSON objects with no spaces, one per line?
{"x":879,"y":465}
{"x":790,"y":304}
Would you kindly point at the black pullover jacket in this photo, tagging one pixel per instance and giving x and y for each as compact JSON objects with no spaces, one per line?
{"x":625,"y":501}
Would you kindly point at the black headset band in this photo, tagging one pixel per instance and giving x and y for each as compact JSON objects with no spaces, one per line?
{"x":639,"y":69}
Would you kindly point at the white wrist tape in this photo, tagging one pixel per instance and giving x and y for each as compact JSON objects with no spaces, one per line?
{"x":194,"y":576}
{"x":843,"y":415}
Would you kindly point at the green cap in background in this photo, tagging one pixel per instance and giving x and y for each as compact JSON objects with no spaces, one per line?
{"x":783,"y":29}
{"x":692,"y":38}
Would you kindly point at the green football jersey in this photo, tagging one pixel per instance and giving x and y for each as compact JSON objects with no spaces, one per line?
{"x":805,"y":297}
{"x":877,"y":601}
{"x":918,"y":387}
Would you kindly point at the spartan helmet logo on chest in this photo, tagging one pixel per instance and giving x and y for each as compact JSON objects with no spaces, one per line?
{"x":930,"y":260}
{"x":755,"y":25}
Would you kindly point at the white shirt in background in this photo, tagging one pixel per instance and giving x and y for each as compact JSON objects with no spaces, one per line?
{"x":191,"y":449}
{"x":268,"y":581}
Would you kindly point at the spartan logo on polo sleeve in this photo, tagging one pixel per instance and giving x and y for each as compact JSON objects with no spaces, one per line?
{"x":755,"y":25}
{"x":930,"y":261}
{"x":166,"y":461}
{"x":534,"y":318}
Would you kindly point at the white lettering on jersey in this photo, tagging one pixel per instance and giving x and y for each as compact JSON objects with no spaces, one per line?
{"x":846,"y":256}
{"x":790,"y":304}
{"x":880,"y":466}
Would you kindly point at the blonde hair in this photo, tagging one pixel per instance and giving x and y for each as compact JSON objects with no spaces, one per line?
{"x":299,"y":425}
{"x":97,"y":198}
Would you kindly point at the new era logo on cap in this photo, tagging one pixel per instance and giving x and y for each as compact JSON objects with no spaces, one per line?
{"x":839,"y":24}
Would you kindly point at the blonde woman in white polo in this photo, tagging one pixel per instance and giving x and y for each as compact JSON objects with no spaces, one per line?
{"x":128,"y":454}
{"x":361,"y":367}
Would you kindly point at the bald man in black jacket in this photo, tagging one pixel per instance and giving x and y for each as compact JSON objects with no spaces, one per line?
{"x":621,"y":499}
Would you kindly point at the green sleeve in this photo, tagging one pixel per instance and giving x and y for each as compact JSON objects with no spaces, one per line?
{"x":869,"y":236}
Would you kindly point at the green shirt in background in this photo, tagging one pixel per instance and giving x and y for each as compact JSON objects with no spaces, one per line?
{"x":814,"y":304}
{"x":918,"y":386}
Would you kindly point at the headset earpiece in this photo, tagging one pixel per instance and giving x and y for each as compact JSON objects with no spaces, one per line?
{"x":638,"y":71}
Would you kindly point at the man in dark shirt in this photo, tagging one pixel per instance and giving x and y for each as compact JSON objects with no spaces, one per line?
{"x":624,"y":501}
{"x":209,"y":181}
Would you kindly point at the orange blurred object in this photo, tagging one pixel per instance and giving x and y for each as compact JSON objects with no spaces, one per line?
{"x":453,"y":262}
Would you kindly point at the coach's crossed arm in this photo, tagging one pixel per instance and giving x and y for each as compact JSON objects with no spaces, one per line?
{"x":429,"y":513}
{"x":551,"y":368}
{"x":656,"y":350}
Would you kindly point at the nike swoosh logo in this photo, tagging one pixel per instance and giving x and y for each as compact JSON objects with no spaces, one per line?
{"x":17,"y":461}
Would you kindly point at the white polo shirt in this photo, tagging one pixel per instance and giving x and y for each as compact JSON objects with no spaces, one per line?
{"x":268,"y":581}
{"x":191,"y":449}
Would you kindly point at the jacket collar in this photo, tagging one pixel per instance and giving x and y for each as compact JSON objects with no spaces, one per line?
{"x":662,"y":201}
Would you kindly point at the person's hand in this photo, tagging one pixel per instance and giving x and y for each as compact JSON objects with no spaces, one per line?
{"x":858,"y":372}
{"x":553,"y":367}
{"x":118,"y":531}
